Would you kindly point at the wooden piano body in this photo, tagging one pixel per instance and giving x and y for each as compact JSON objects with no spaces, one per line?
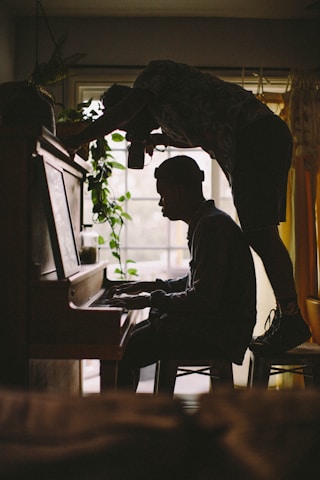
{"x":43,"y":316}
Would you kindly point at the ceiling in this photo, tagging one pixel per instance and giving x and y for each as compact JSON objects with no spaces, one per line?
{"x":264,"y":9}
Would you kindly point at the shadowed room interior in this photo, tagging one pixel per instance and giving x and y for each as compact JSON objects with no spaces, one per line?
{"x":60,"y":413}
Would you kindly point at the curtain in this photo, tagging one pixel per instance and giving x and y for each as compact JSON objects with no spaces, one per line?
{"x":301,"y":231}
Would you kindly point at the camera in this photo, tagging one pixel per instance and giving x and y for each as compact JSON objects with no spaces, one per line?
{"x":136,"y":155}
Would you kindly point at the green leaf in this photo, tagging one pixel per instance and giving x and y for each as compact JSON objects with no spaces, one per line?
{"x":101,"y":240}
{"x":117,"y":165}
{"x":119,"y":272}
{"x":113,"y":244}
{"x":132,"y":272}
{"x":117,"y":137}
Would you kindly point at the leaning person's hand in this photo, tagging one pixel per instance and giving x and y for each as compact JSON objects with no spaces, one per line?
{"x":71,"y":144}
{"x":149,"y":149}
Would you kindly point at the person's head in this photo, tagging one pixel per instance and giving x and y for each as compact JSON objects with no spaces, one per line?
{"x":114,"y":95}
{"x":142,"y":124}
{"x":179,"y":184}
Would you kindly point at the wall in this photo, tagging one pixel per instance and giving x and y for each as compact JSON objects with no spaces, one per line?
{"x":199,"y":41}
{"x":6,"y":44}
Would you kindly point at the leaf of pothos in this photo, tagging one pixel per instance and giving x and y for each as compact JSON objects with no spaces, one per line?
{"x":117,"y":165}
{"x":117,"y":137}
{"x":132,"y":272}
{"x":101,"y":240}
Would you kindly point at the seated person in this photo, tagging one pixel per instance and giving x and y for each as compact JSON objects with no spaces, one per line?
{"x":211,"y":310}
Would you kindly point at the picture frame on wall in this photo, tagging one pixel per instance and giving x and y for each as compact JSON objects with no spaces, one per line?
{"x":58,"y":216}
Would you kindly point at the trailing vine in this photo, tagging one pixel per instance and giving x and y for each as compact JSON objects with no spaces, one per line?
{"x":106,"y":208}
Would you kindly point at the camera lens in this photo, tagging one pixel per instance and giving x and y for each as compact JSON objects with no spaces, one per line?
{"x":136,"y":155}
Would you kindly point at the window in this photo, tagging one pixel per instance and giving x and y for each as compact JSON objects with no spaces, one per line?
{"x":157,"y":245}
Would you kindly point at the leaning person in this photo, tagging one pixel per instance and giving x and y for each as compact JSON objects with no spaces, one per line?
{"x":251,"y":144}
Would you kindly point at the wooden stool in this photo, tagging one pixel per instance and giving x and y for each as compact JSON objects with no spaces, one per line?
{"x":218,"y":369}
{"x":302,"y":360}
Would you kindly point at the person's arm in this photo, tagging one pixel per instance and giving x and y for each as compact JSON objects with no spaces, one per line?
{"x":210,"y":259}
{"x":132,"y":288}
{"x":114,"y":118}
{"x":166,"y":141}
{"x":137,"y":295}
{"x":131,"y":295}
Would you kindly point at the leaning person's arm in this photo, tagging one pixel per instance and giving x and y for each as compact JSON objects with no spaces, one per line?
{"x":114,"y":118}
{"x":166,"y":141}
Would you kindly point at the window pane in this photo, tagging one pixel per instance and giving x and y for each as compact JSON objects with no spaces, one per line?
{"x":178,"y":234}
{"x":150,"y":263}
{"x":141,"y":183}
{"x":148,"y":227}
{"x":117,"y":145}
{"x":161,"y":263}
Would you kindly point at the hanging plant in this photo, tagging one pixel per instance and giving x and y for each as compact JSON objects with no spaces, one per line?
{"x":106,"y":208}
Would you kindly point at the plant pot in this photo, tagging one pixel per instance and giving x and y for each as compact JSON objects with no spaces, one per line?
{"x":22,"y":104}
{"x":68,"y":129}
{"x":313,"y":311}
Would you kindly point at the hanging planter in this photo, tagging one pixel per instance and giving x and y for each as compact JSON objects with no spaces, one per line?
{"x":23,"y":104}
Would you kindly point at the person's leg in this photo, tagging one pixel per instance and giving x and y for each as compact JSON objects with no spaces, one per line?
{"x":160,"y":337}
{"x":149,"y":342}
{"x":288,"y":328}
{"x":267,"y":243}
{"x":142,"y":350}
{"x":264,"y":155}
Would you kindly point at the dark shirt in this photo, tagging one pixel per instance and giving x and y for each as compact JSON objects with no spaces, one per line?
{"x":199,"y":109}
{"x":217,"y":299}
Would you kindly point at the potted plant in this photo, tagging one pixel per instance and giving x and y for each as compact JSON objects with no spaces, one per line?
{"x":31,"y":101}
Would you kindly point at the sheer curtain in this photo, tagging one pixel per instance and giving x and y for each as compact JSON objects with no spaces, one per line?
{"x":301,"y":232}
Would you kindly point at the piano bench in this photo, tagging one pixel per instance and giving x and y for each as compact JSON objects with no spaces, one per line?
{"x":302,"y":360}
{"x":218,"y":369}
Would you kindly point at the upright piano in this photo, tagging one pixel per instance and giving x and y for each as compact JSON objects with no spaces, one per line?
{"x":46,"y":313}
